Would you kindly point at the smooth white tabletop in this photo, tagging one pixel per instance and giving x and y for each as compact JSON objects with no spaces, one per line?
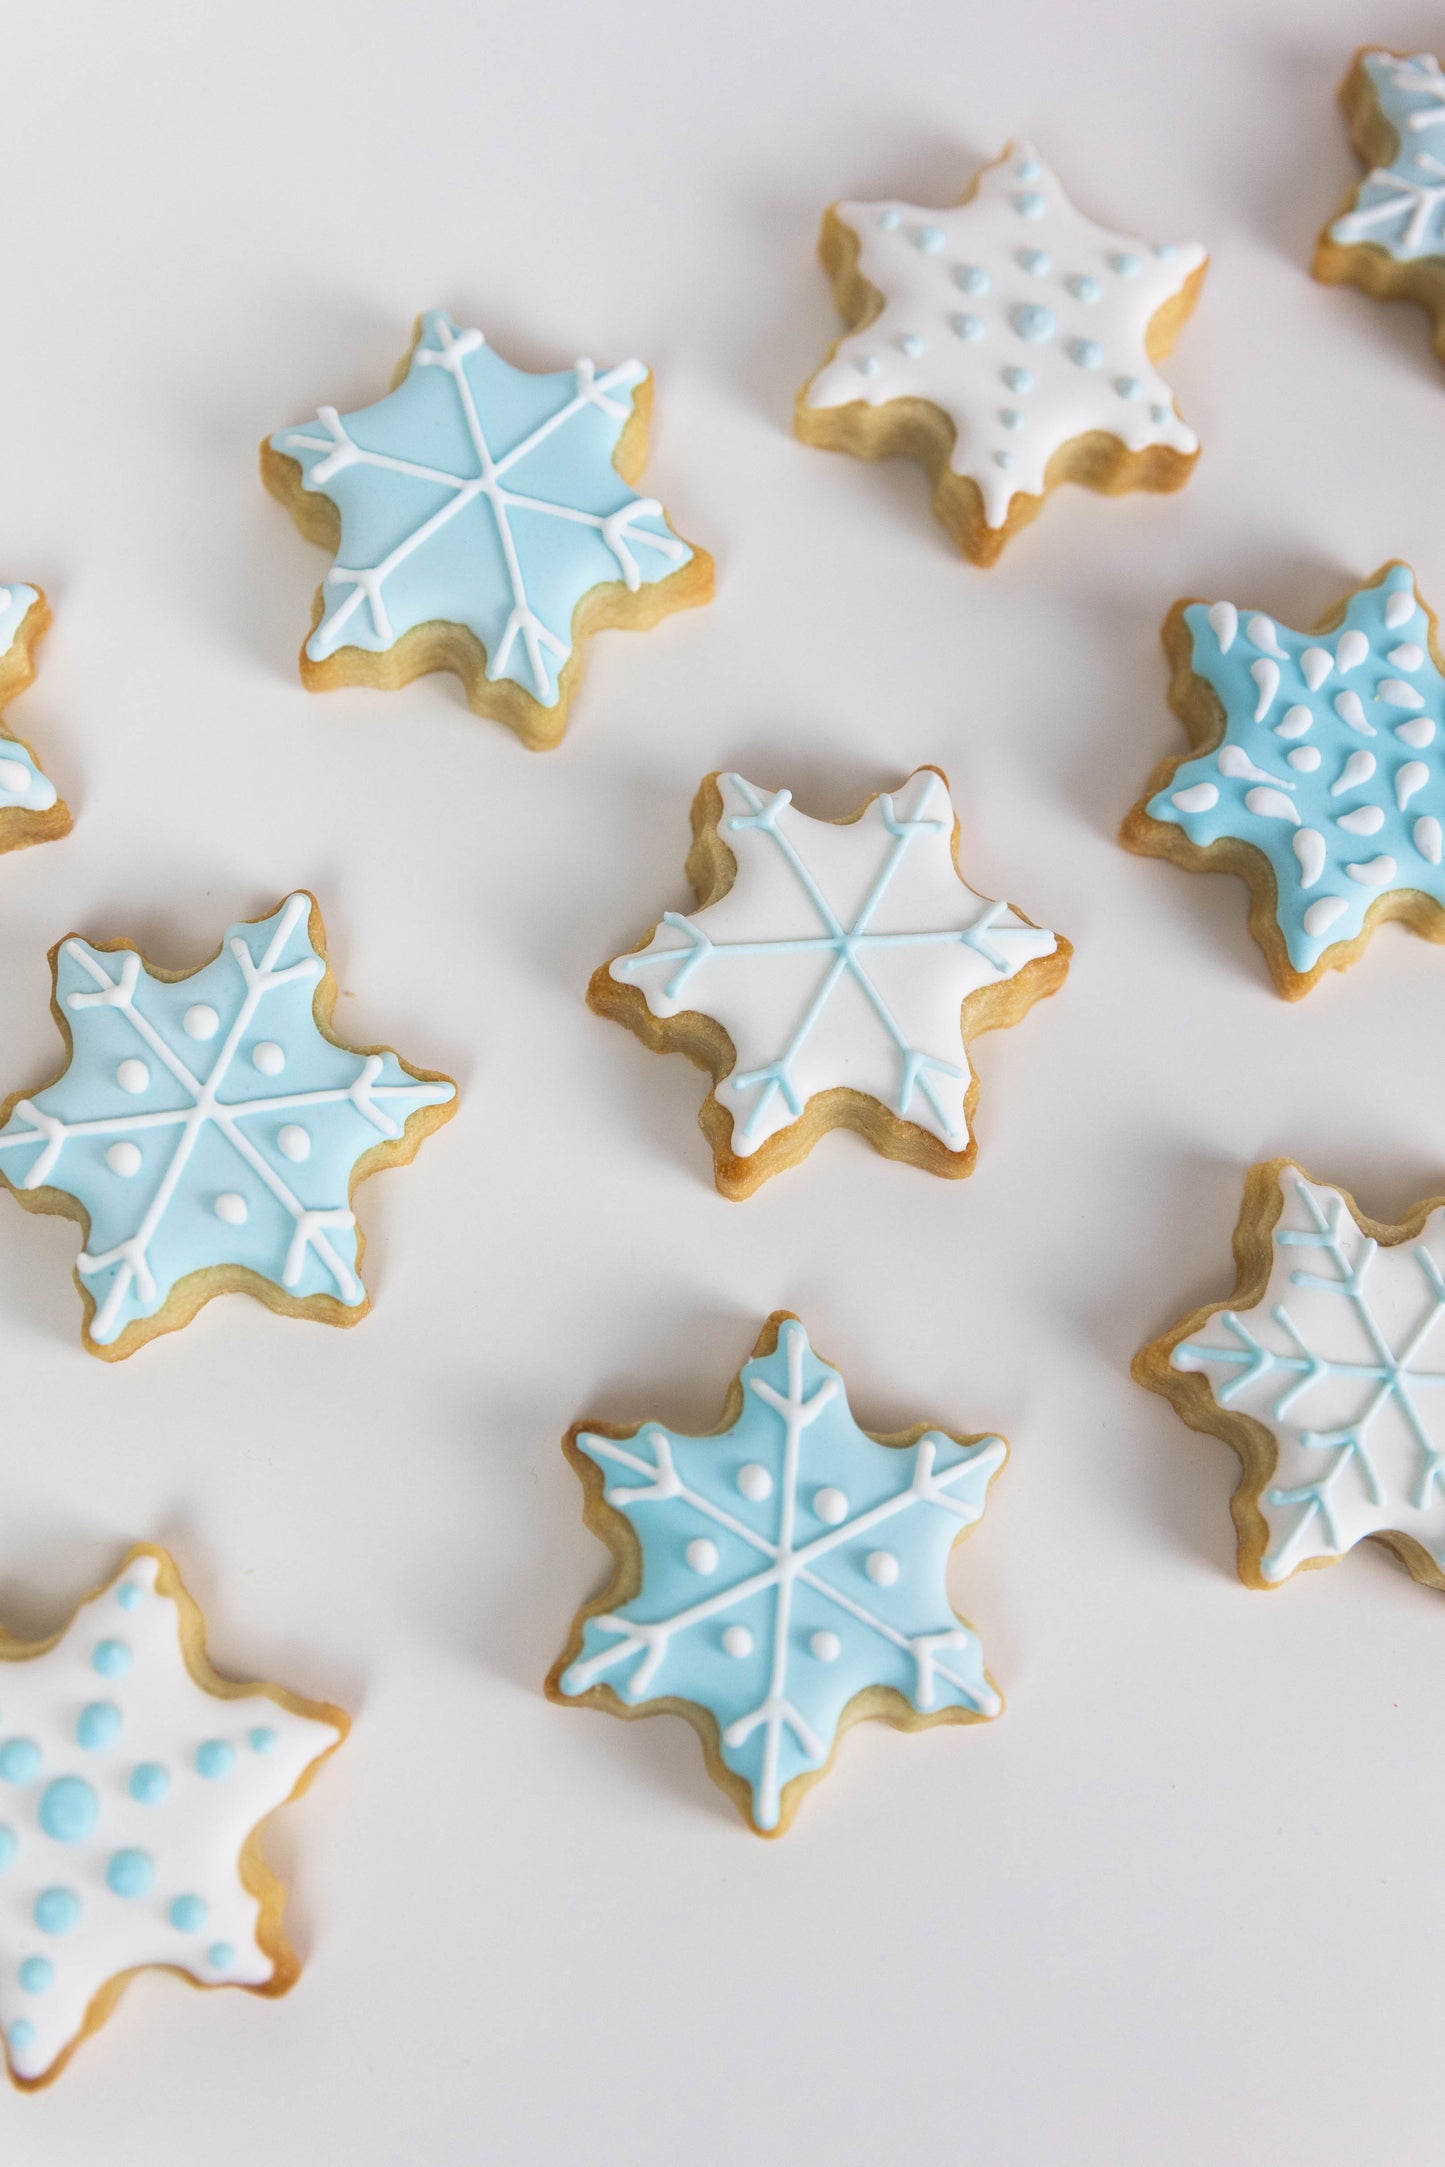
{"x":1183,"y":1901}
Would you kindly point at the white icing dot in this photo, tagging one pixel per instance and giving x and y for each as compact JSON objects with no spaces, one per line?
{"x":1412,"y":777}
{"x":1364,"y":820}
{"x":1309,"y":848}
{"x":1321,"y":916}
{"x":1305,"y":757}
{"x":881,"y":1566}
{"x":268,"y":1057}
{"x":1396,"y":693}
{"x":755,"y":1483}
{"x":1376,"y":873}
{"x":1266,"y":675}
{"x":1270,"y":805}
{"x":1407,"y":656}
{"x":1261,"y":633}
{"x":831,"y":1506}
{"x":701,"y":1555}
{"x":1235,"y":762}
{"x":1198,"y":798}
{"x":123,"y":1159}
{"x":737,"y":1640}
{"x":133,"y":1076}
{"x":826,"y":1646}
{"x":1296,"y":721}
{"x":1417,"y":734}
{"x":1399,"y":608}
{"x":294,"y":1143}
{"x":231,"y":1208}
{"x":1357,"y":769}
{"x":1350,"y":711}
{"x":201,"y":1021}
{"x":1428,"y":838}
{"x":14,"y":775}
{"x":1315,"y":666}
{"x":1224,"y":623}
{"x":1350,"y":650}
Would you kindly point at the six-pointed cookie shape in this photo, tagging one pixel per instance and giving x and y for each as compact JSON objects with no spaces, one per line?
{"x":1325,"y":1370}
{"x":831,"y":977}
{"x":780,"y":1578}
{"x":1318,"y":772}
{"x":208,"y":1131}
{"x":483,"y":522}
{"x":133,"y":1782}
{"x":1009,"y":344}
{"x":31,"y":808}
{"x":1390,"y":237}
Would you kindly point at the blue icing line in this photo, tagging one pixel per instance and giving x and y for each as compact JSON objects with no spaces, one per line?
{"x":1375,"y":800}
{"x":863,"y":1531}
{"x":1400,"y":207}
{"x":479,"y":494}
{"x":264,"y":1183}
{"x":29,"y":791}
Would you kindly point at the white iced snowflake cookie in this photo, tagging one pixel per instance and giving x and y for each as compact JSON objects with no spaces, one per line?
{"x":780,"y":1578}
{"x":483,"y":522}
{"x":1325,"y":1370}
{"x":208,"y":1131}
{"x":133,"y":1782}
{"x":1389,"y":239}
{"x":831,"y":976}
{"x":31,"y":808}
{"x":1009,"y":344}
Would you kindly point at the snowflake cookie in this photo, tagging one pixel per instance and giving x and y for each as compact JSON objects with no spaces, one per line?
{"x":31,"y":809}
{"x":831,"y":977}
{"x":208,"y":1131}
{"x":483,"y":522}
{"x":1325,"y":1370}
{"x":1009,"y":344}
{"x":780,"y":1578}
{"x":133,"y":1782}
{"x":1390,"y":237}
{"x":1317,"y":773}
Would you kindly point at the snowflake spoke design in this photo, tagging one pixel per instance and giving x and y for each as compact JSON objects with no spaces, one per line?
{"x":481,"y":495}
{"x":789,"y":1563}
{"x":185,"y":1162}
{"x":841,"y":955}
{"x":1342,"y":1360}
{"x":1400,"y":207}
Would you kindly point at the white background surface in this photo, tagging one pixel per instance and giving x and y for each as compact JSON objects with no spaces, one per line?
{"x":1183,"y":1902}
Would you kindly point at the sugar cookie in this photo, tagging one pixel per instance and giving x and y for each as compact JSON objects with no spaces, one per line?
{"x":31,"y":809}
{"x":1390,"y":237}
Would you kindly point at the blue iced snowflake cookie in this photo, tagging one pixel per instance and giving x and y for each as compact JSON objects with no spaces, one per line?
{"x":483,"y":522}
{"x":780,"y":1578}
{"x":1390,"y":237}
{"x":1318,"y":771}
{"x":208,"y":1130}
{"x":31,"y":808}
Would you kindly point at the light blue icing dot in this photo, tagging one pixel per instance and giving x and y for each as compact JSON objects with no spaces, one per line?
{"x":890,"y":220}
{"x":19,"y":1760}
{"x":57,"y":1911}
{"x":149,"y":1783}
{"x":1011,"y":418}
{"x":37,"y":1974}
{"x":21,"y":2034}
{"x":112,"y":1658}
{"x":9,"y":1845}
{"x":1165,"y":249}
{"x":969,"y":327}
{"x":188,"y":1914}
{"x":1034,"y":323}
{"x":1028,"y":169}
{"x":1159,"y":415}
{"x":1034,"y":260}
{"x":128,"y":1595}
{"x":973,"y":278}
{"x":1029,"y":204}
{"x":215,"y":1759}
{"x":97,"y":1725}
{"x":130,"y":1873}
{"x":1087,"y":352}
{"x":1018,"y":379}
{"x":1005,"y":459}
{"x":1126,"y":263}
{"x":868,"y":364}
{"x":930,"y":239}
{"x":911,"y":344}
{"x":1128,"y":387}
{"x":263,"y":1739}
{"x":1084,"y":288}
{"x":221,"y":1955}
{"x":68,"y":1809}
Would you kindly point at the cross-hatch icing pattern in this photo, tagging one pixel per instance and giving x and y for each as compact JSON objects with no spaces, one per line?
{"x":788,"y":1564}
{"x":482,"y":495}
{"x":1024,"y":321}
{"x":1330,"y":764}
{"x":127,"y":1792}
{"x":1343,"y":1361}
{"x":184,"y":1161}
{"x":23,"y":788}
{"x":1401,"y":207}
{"x":841,"y":955}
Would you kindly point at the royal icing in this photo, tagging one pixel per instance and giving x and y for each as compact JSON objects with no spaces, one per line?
{"x":1342,"y":1361}
{"x":23,"y":787}
{"x":482,"y":495}
{"x":1023,"y":321}
{"x":841,"y":955}
{"x":788,"y":1564}
{"x":209,"y":1122}
{"x":128,"y":1792}
{"x":1330,"y":764}
{"x":1400,"y":207}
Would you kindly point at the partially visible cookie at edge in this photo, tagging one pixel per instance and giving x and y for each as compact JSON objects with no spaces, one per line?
{"x":31,"y":808}
{"x":1389,"y":237}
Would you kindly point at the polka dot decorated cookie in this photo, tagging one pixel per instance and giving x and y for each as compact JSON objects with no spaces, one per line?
{"x":1009,"y":343}
{"x":779,"y":1579}
{"x":208,"y":1130}
{"x":133,"y":1781}
{"x":31,"y":809}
